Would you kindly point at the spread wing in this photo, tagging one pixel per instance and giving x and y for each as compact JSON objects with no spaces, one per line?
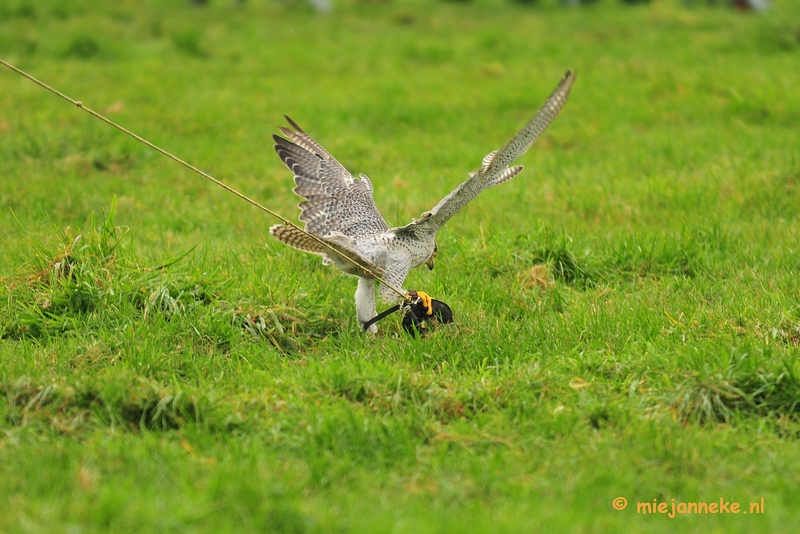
{"x":335,"y":201}
{"x":495,"y":169}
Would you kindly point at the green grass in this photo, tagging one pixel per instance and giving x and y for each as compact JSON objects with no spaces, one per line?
{"x":627,"y":313}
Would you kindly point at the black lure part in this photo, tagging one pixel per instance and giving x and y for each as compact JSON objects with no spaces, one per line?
{"x":415,"y":319}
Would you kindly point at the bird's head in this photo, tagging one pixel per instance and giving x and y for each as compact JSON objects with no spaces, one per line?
{"x":429,"y":263}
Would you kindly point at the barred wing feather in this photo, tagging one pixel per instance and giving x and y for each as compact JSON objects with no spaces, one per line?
{"x":495,"y":168}
{"x":335,"y":201}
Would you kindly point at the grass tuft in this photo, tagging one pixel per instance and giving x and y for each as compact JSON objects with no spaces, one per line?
{"x":286,"y":328}
{"x":745,"y":385}
{"x":556,"y":251}
{"x":84,"y":47}
{"x":134,"y":405}
{"x":189,"y":42}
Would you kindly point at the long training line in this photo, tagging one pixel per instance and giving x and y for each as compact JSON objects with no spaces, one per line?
{"x":205,"y":175}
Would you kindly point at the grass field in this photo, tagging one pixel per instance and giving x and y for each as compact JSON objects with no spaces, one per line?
{"x":627,"y":309}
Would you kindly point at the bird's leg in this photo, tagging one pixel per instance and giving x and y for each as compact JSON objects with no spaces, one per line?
{"x":426,"y":300}
{"x":365,"y":302}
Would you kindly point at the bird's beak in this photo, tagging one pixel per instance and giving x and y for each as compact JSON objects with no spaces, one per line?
{"x":429,"y":263}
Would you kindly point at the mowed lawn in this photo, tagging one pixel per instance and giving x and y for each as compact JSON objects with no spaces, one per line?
{"x":627,"y":309}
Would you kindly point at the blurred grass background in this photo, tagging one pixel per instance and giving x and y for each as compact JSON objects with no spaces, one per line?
{"x":627,"y":308}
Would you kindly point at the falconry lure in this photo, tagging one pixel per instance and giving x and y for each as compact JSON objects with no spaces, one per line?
{"x":347,"y":229}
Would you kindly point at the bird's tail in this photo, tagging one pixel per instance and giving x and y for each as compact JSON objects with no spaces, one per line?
{"x":342,"y":255}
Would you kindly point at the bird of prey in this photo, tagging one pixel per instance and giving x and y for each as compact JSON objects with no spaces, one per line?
{"x":343,"y":225}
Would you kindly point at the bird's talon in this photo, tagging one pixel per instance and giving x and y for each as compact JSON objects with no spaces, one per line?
{"x":425,"y":299}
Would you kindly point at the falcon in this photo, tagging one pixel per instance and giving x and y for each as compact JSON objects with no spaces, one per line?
{"x":343,"y":225}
